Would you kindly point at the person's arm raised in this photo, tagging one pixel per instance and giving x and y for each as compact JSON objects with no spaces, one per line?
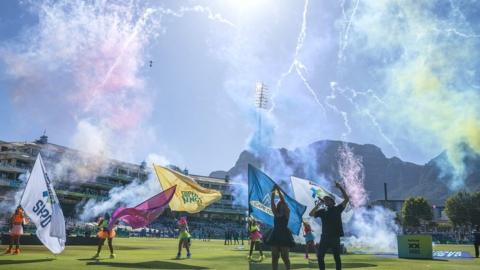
{"x":315,"y":208}
{"x":272,"y":200}
{"x":345,"y":196}
{"x":282,"y":199}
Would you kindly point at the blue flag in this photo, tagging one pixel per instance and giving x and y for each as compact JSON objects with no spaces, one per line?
{"x":259,"y":192}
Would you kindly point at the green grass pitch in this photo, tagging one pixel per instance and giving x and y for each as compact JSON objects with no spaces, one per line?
{"x":141,"y":253}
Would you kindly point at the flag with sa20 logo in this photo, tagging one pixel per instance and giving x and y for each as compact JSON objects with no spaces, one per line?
{"x":40,"y":203}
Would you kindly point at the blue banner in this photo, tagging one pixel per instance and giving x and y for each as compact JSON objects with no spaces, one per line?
{"x":259,"y":192}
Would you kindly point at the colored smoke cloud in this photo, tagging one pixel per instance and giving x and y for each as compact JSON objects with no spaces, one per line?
{"x":79,"y":67}
{"x":425,"y":58}
{"x":351,"y":171}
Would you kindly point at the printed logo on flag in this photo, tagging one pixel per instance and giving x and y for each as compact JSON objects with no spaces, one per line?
{"x":262,"y":207}
{"x":266,"y":199}
{"x":41,"y":211}
{"x":191,"y":197}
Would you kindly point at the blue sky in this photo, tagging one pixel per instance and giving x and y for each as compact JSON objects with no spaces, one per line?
{"x":80,"y":70}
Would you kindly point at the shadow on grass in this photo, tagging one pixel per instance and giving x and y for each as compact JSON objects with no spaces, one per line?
{"x":255,"y":266}
{"x":351,"y":265}
{"x":92,"y":259}
{"x":129,"y":248}
{"x":147,"y":265}
{"x":2,"y":262}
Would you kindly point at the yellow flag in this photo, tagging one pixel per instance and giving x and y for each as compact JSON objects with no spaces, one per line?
{"x":189,"y":195}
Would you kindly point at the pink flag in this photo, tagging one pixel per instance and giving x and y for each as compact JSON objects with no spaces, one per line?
{"x":144,"y":213}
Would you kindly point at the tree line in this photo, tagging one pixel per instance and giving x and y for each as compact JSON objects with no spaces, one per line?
{"x":462,"y":208}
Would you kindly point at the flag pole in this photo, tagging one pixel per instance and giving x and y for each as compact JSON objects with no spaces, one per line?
{"x":158,"y":177}
{"x":25,"y":187}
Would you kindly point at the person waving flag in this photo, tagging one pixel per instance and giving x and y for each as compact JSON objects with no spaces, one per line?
{"x":259,"y":200}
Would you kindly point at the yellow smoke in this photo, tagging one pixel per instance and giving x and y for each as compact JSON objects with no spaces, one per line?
{"x":425,"y":86}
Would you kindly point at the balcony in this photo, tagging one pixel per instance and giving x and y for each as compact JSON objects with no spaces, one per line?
{"x":225,"y":210}
{"x":11,"y":183}
{"x":81,"y":195}
{"x":18,"y":155}
{"x":11,"y":168}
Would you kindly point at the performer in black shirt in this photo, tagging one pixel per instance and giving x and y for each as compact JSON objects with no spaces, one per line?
{"x":332,"y":228}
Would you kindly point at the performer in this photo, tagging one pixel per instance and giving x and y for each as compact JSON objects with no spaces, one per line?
{"x":183,"y":237}
{"x":309,"y":237}
{"x":105,"y":233}
{"x":332,"y":229}
{"x":476,"y":239}
{"x":280,"y":238}
{"x":17,"y":221}
{"x":255,"y":237}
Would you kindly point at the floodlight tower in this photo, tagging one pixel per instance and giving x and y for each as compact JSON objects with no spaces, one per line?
{"x":261,"y":102}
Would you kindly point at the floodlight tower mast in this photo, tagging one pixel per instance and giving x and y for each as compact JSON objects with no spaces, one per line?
{"x":261,"y":102}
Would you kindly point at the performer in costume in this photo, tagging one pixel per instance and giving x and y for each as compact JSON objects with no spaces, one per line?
{"x":280,"y":238}
{"x":255,"y":237}
{"x":17,"y":221}
{"x":183,"y":237}
{"x":309,"y":237}
{"x":105,"y":233}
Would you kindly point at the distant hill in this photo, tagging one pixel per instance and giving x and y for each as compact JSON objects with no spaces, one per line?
{"x":403,"y":178}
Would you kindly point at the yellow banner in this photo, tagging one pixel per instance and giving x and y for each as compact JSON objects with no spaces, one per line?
{"x":189,"y":195}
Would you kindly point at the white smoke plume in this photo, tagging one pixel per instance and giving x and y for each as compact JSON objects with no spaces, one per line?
{"x":371,"y":230}
{"x":130,"y":195}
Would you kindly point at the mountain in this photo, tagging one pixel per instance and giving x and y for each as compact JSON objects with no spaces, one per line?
{"x":320,"y":159}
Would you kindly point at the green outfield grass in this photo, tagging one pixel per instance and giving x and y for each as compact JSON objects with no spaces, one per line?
{"x":141,"y":253}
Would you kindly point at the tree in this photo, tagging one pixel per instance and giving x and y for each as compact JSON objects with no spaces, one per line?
{"x":415,"y":211}
{"x":463,"y":208}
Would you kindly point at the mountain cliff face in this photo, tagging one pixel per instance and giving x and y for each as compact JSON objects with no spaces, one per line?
{"x":320,"y":159}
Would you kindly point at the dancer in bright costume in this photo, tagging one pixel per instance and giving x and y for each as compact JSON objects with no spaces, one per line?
{"x":183,"y":237}
{"x":103,"y":234}
{"x":17,"y":221}
{"x":255,"y":237}
{"x":309,"y":237}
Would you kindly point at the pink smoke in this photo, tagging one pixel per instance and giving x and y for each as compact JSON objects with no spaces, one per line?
{"x":352,"y":173}
{"x":85,"y":58}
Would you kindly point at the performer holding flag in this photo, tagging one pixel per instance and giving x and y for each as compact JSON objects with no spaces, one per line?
{"x":280,"y":238}
{"x":332,"y":228}
{"x":260,"y":188}
{"x":17,"y":221}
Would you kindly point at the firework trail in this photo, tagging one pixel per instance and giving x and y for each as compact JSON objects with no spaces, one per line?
{"x":297,"y":64}
{"x":346,"y":30}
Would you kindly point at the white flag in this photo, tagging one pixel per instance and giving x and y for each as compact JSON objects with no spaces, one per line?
{"x":307,"y":193}
{"x":42,"y":207}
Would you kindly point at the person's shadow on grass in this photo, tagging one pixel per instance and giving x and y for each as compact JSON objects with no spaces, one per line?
{"x":2,"y":262}
{"x":147,"y":265}
{"x":255,"y":266}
